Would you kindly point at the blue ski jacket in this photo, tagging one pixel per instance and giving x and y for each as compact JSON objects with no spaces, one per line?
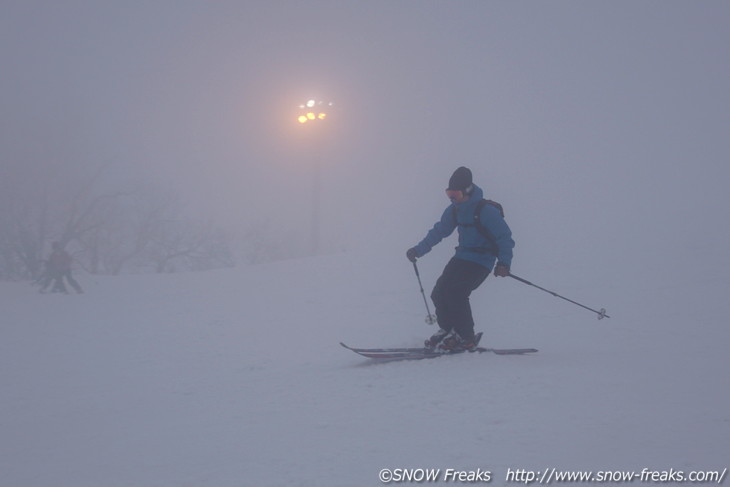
{"x":473,"y":246}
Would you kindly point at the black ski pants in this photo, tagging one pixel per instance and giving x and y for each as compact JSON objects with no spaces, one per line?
{"x":451,"y":294}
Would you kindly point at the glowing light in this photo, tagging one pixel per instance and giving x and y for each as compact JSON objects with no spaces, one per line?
{"x":313,"y":110}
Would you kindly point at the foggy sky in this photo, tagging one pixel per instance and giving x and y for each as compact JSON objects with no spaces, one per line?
{"x":602,"y":127}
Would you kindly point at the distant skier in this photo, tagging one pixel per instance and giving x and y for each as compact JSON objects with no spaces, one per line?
{"x":58,"y":268}
{"x":484,"y":238}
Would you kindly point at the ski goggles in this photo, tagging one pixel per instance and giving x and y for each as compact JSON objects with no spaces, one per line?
{"x":454,"y":194}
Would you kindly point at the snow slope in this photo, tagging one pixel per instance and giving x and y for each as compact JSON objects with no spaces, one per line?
{"x":236,"y":378}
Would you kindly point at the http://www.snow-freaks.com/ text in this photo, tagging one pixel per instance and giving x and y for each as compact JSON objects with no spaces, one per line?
{"x":549,"y":476}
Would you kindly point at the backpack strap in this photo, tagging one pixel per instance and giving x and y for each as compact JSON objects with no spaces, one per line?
{"x":493,"y":203}
{"x":477,"y":222}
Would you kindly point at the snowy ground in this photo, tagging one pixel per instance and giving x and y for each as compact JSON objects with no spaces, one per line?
{"x":236,"y":378}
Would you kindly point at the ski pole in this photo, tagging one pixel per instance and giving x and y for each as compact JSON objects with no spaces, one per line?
{"x":601,"y":314}
{"x":430,"y":319}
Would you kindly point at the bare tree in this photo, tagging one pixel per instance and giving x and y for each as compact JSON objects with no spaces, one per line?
{"x":189,"y":244}
{"x":112,"y":230}
{"x":24,"y":226}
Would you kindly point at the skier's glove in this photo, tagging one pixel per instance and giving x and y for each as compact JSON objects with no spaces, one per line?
{"x":501,"y":270}
{"x":411,"y":254}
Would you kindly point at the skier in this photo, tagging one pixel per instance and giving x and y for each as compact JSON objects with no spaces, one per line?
{"x":484,"y":238}
{"x":58,"y":267}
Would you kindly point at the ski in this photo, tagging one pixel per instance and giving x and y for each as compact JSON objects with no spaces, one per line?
{"x":421,"y":353}
{"x":508,"y":351}
{"x":404,"y":354}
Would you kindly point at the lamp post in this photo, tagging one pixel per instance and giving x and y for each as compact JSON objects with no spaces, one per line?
{"x":312,"y":115}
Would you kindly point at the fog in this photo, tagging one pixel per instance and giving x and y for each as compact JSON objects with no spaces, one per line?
{"x":602,"y":127}
{"x":128,"y":127}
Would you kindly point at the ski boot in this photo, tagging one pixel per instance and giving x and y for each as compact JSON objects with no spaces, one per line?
{"x":454,"y":343}
{"x":435,"y":339}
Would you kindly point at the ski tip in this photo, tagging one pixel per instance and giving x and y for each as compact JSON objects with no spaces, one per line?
{"x":347,"y":347}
